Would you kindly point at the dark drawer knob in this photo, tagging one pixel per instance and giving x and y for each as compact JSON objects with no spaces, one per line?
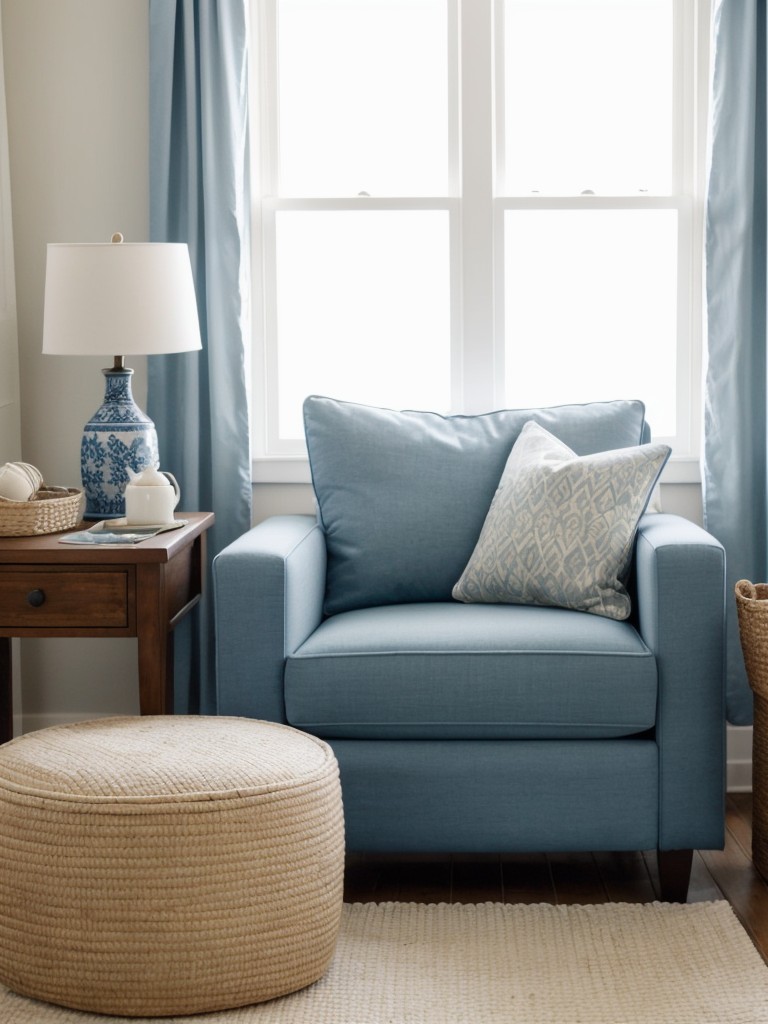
{"x":36,"y":598}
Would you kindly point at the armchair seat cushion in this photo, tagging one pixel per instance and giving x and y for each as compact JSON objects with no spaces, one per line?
{"x":447,"y":670}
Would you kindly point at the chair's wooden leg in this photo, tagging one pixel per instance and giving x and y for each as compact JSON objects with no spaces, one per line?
{"x":674,"y":874}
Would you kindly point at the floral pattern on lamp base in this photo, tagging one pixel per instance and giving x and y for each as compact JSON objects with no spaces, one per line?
{"x":118,"y":436}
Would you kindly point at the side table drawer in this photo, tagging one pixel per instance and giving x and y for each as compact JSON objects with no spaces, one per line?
{"x":63,"y":599}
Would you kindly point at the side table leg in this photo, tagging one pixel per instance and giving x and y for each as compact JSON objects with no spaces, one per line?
{"x":6,"y":690}
{"x":155,"y":673}
{"x":155,"y":643}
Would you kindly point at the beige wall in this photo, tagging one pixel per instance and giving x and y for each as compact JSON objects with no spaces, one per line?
{"x":77,"y":98}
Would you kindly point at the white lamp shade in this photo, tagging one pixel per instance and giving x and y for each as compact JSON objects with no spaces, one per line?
{"x":119,"y":299}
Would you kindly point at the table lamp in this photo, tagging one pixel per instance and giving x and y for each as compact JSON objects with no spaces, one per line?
{"x":127,"y":298}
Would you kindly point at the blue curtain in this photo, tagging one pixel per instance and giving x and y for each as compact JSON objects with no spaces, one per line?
{"x":736,"y":410}
{"x":199,"y":195}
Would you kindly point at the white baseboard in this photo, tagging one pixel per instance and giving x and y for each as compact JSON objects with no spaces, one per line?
{"x":739,"y":775}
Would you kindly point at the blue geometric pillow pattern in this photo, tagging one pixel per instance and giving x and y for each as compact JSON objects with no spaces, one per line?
{"x":560,"y":528}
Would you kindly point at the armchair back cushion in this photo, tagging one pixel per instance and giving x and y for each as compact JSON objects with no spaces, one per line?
{"x":402,"y":496}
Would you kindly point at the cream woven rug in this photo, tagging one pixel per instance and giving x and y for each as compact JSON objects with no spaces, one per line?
{"x":491,"y":963}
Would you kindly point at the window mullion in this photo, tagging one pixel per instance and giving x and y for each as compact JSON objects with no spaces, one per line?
{"x":270,"y":353}
{"x":480,"y":363}
{"x":682,"y":124}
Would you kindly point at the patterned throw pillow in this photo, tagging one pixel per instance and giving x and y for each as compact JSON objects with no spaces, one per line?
{"x":561,"y":527}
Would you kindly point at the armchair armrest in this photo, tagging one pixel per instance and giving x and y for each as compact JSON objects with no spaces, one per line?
{"x":268,"y":591}
{"x":680,"y":607}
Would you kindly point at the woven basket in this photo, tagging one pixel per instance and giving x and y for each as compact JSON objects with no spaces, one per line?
{"x":168,"y":865}
{"x":752,"y":606}
{"x":50,"y":511}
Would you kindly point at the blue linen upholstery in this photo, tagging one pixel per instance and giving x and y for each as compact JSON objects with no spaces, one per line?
{"x":484,"y":727}
{"x":734,"y":465}
{"x":525,"y":796}
{"x":427,"y":482}
{"x":198,"y":165}
{"x":542,"y":673}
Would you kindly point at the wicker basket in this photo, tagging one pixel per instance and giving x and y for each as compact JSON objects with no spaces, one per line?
{"x":50,"y":511}
{"x":168,"y":864}
{"x":752,"y":606}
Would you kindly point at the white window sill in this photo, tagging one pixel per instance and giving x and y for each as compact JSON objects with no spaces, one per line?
{"x":281,"y":471}
{"x":683,"y":470}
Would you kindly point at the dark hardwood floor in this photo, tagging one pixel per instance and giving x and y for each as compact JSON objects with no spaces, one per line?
{"x":577,"y":878}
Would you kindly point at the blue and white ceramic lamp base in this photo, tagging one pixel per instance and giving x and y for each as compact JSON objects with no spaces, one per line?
{"x":118,"y":436}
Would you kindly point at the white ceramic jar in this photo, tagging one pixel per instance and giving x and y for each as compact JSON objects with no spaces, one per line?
{"x":150,"y":498}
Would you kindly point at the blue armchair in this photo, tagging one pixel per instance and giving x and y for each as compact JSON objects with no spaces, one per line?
{"x":481,"y":725}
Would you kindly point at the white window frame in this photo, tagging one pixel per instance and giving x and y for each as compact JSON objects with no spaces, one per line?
{"x":476,"y":216}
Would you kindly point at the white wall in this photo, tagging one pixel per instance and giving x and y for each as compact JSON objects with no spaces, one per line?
{"x":10,"y":412}
{"x":77,"y":95}
{"x":10,"y":397}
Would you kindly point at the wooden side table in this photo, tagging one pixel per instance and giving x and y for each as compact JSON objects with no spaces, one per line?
{"x":49,"y":589}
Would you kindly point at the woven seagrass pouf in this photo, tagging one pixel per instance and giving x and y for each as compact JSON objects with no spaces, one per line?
{"x":168,"y":865}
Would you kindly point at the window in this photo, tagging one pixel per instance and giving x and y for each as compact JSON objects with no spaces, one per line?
{"x":465,"y":206}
